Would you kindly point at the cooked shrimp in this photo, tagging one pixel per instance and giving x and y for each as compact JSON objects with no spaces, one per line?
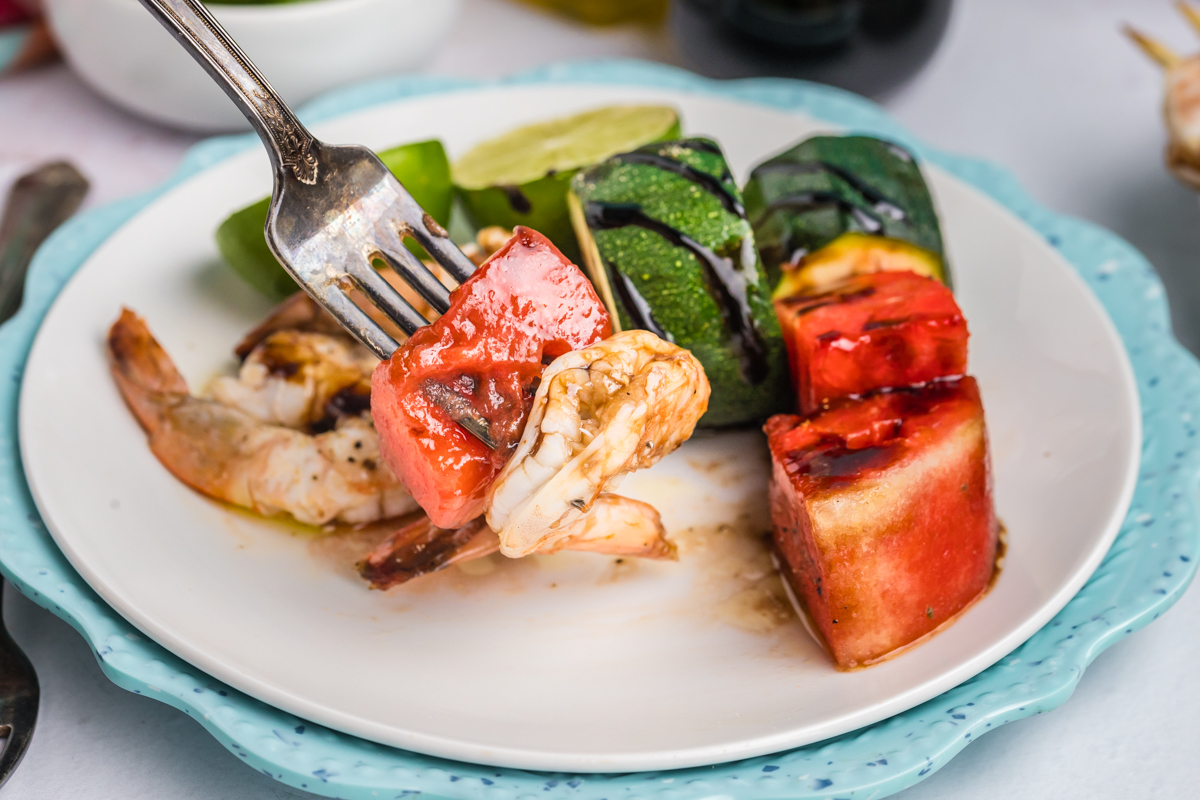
{"x":232,"y":456}
{"x":297,"y":313}
{"x":1182,"y":101}
{"x":599,"y":413}
{"x":615,"y":526}
{"x":300,"y":380}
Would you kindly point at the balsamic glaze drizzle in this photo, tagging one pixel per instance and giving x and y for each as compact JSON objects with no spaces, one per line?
{"x":806,"y":200}
{"x":639,"y":311}
{"x":880,"y":202}
{"x":725,"y":281}
{"x":709,"y":183}
{"x":703,"y":145}
{"x":516,"y":198}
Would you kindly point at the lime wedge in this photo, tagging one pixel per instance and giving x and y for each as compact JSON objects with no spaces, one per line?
{"x":423,"y":169}
{"x":522,"y":177}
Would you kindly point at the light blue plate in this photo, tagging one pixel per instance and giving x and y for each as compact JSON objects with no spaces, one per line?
{"x":1148,"y":568}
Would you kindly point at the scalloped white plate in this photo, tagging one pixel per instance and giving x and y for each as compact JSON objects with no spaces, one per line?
{"x":571,"y":662}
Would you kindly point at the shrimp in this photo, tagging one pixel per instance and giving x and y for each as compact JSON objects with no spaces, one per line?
{"x":230,"y":455}
{"x":615,"y":526}
{"x":301,"y":380}
{"x":599,"y":413}
{"x":297,"y":313}
{"x":1182,"y":104}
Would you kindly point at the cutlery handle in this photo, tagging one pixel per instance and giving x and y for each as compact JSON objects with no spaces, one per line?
{"x":38,"y":203}
{"x":290,"y":145}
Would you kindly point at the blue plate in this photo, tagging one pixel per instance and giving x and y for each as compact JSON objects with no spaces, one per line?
{"x":1147,"y":569}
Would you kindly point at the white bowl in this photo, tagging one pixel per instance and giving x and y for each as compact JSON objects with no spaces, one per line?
{"x":303,"y":48}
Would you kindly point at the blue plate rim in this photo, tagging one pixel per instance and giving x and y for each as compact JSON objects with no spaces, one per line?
{"x":1147,"y":569}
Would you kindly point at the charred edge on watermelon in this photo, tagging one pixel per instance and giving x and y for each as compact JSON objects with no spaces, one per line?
{"x":665,"y":236}
{"x":805,"y":198}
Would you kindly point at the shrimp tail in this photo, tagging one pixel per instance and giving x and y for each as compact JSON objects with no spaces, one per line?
{"x":421,"y":547}
{"x":620,"y":526}
{"x":146,"y":376}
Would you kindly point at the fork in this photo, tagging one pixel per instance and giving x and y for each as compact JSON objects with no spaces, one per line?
{"x":335,"y":208}
{"x":38,"y":202}
{"x":18,"y":699}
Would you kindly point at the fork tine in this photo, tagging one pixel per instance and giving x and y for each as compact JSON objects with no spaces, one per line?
{"x":452,"y":259}
{"x":418,"y":276}
{"x":365,"y":329}
{"x":385,"y":297}
{"x":416,"y":222}
{"x":433,"y":237}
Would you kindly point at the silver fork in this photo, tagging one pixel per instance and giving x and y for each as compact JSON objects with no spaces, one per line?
{"x":335,"y":208}
{"x":18,"y":699}
{"x":38,"y":203}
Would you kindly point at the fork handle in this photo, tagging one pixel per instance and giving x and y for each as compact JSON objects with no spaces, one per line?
{"x":290,"y":145}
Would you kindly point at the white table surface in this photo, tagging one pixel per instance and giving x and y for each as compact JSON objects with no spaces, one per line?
{"x":1046,"y":87}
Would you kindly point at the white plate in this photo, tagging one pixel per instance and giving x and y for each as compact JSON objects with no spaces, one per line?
{"x":571,"y":662}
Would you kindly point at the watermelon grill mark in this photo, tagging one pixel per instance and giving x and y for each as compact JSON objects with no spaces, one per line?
{"x":725,"y":281}
{"x":809,"y":304}
{"x":459,"y":409}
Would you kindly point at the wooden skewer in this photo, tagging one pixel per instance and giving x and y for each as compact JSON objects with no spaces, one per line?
{"x":1191,"y":12}
{"x":1164,"y":55}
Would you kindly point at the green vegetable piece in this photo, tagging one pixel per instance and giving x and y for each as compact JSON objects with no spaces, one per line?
{"x":802,"y":199}
{"x":668,"y":246}
{"x":522,"y":177}
{"x":423,"y":169}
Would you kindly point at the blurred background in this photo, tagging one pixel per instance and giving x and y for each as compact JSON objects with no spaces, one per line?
{"x":1054,"y":91}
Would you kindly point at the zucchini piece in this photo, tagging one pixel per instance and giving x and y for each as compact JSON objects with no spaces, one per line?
{"x":805,"y":198}
{"x":855,"y":254}
{"x":423,"y":169}
{"x":667,"y":244}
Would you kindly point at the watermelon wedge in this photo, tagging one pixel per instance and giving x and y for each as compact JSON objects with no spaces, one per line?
{"x":477,"y":367}
{"x":871,"y":332}
{"x":883,"y":519}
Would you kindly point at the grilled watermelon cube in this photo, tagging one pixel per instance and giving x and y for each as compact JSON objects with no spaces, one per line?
{"x":871,"y":332}
{"x":476,"y":368}
{"x":883,"y":520}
